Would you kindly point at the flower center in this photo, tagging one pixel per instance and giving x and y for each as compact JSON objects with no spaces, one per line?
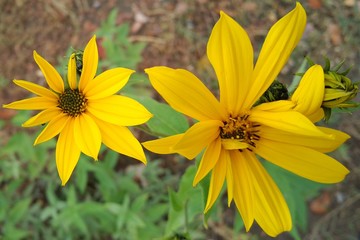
{"x":72,"y":102}
{"x":240,"y":129}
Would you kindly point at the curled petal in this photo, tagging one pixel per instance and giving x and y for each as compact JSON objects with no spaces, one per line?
{"x":90,"y":63}
{"x":72,"y":75}
{"x":309,"y":95}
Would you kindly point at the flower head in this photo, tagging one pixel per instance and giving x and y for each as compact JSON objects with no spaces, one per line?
{"x":233,"y":131}
{"x":85,"y":112}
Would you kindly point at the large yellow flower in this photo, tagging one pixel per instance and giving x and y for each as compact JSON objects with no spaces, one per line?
{"x":84,"y":113}
{"x":233,"y":131}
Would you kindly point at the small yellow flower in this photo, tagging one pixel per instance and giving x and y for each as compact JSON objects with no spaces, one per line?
{"x":233,"y":131}
{"x":84,"y":113}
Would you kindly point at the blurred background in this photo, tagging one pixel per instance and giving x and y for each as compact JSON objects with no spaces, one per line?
{"x":150,"y":33}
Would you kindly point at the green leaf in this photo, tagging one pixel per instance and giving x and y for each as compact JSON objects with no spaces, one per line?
{"x":166,"y":121}
{"x":19,"y":210}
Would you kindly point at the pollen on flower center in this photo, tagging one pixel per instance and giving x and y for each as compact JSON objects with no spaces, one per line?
{"x":240,"y":128}
{"x":72,"y":102}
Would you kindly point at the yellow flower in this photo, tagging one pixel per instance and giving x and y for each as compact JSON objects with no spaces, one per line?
{"x":233,"y":132}
{"x":84,"y":113}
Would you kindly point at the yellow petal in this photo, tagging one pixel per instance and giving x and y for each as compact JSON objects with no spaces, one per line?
{"x":309,"y":95}
{"x":229,"y":180}
{"x":87,"y":135}
{"x":53,"y":128}
{"x":230,"y":52}
{"x":270,"y":208}
{"x":197,"y":137}
{"x":243,"y":187}
{"x":232,"y":144}
{"x":107,"y":83}
{"x":43,"y":117}
{"x":316,"y":116}
{"x":121,"y":140}
{"x":277,"y":106}
{"x":72,"y":75}
{"x":90,"y":63}
{"x":35,"y":103}
{"x":185,"y":93}
{"x":216,"y":182}
{"x":119,"y":110}
{"x":305,"y":162}
{"x":329,"y":143}
{"x":208,"y":160}
{"x":163,"y":145}
{"x":67,"y":152}
{"x":289,"y":121}
{"x":279,"y":43}
{"x":52,"y":77}
{"x":37,"y":89}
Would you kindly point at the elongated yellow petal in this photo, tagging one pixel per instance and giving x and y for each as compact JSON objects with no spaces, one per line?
{"x":119,"y":110}
{"x":72,"y":76}
{"x":107,"y":83}
{"x":270,"y":208}
{"x":279,"y":43}
{"x":305,"y":162}
{"x":229,"y":179}
{"x":316,"y":116}
{"x":163,"y":145}
{"x":231,"y":54}
{"x":322,"y":144}
{"x":53,"y":128}
{"x":87,"y":135}
{"x":90,"y":63}
{"x":289,"y":121}
{"x":197,"y":137}
{"x":121,"y":140}
{"x":185,"y":93}
{"x":42,"y":117}
{"x":309,"y":95}
{"x":35,"y":103}
{"x":52,"y":77}
{"x":216,"y":182}
{"x":67,"y":152}
{"x":243,"y":187}
{"x":232,"y":144}
{"x":37,"y":89}
{"x":208,"y":161}
{"x":276,"y":106}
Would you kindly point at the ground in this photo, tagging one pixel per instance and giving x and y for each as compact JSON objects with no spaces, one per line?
{"x":176,"y":34}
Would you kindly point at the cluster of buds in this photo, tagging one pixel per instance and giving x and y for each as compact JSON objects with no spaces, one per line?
{"x":339,"y":89}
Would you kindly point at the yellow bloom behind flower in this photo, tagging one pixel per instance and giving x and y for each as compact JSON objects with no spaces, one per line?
{"x":84,"y":113}
{"x":233,"y":132}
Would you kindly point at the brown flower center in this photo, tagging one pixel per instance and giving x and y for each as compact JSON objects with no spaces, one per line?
{"x":240,"y":128}
{"x":72,"y":102}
